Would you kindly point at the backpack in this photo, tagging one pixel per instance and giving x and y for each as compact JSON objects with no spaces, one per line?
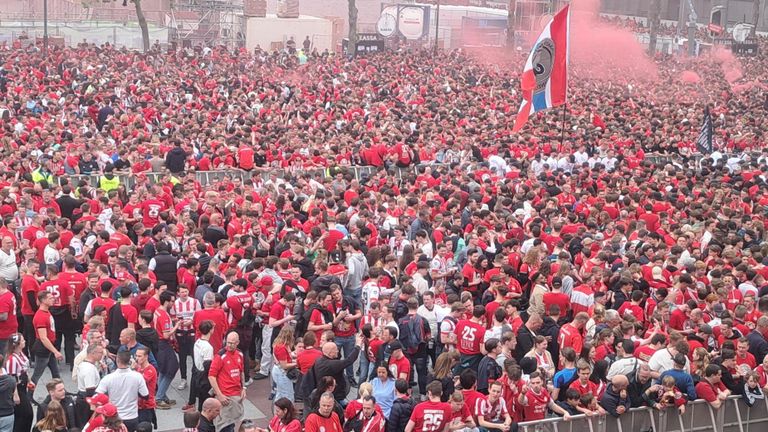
{"x":411,"y":332}
{"x":566,"y":385}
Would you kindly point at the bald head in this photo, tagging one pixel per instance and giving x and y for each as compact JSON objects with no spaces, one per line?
{"x":211,"y":408}
{"x":620,"y":382}
{"x":330,"y":350}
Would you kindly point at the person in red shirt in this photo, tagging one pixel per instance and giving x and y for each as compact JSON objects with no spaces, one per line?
{"x":129,"y":312}
{"x":307,"y":357}
{"x":461,"y":417}
{"x":8,"y":322}
{"x":431,"y":415}
{"x":227,"y":380}
{"x":535,"y":400}
{"x":29,"y":289}
{"x":555,"y":296}
{"x":105,"y":246}
{"x":70,"y":276}
{"x":45,"y":353}
{"x":63,"y":311}
{"x":325,"y":418}
{"x":399,"y":365}
{"x":168,"y":362}
{"x":279,"y":314}
{"x":144,"y":367}
{"x":711,"y":388}
{"x":571,"y":334}
{"x":214,"y":314}
{"x":471,"y":335}
{"x":150,"y":211}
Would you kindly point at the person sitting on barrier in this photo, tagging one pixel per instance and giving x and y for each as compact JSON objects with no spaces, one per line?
{"x":615,"y":400}
{"x":711,"y":388}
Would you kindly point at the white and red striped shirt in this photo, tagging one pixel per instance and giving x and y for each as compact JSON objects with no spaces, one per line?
{"x":17,"y":364}
{"x":374,"y":322}
{"x":184,"y":310}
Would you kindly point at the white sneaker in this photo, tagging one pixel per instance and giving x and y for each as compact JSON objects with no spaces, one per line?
{"x":182,"y":385}
{"x":248,"y":382}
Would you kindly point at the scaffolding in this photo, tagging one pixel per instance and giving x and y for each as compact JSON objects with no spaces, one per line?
{"x":195,"y":23}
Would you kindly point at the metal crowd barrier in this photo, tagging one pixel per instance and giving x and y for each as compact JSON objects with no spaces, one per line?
{"x":212,"y":177}
{"x":733,"y":416}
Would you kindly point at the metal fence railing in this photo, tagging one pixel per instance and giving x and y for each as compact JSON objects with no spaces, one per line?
{"x":733,"y":416}
{"x":213,"y":177}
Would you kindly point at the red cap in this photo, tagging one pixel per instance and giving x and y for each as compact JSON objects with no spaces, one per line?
{"x":98,"y":399}
{"x":107,"y":410}
{"x":267,"y":281}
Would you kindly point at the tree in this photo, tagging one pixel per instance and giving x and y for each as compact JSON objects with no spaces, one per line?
{"x":654,"y":12}
{"x":143,"y":24}
{"x":352,"y":27}
{"x":755,"y":16}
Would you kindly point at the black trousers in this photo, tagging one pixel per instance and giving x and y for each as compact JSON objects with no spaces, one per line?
{"x":29,"y":333}
{"x":65,"y":331}
{"x":186,"y":347}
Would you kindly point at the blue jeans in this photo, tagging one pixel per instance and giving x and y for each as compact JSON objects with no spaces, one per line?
{"x":6,"y":423}
{"x":348,"y":344}
{"x":367,"y":368}
{"x":163,"y":382}
{"x":283,"y":385}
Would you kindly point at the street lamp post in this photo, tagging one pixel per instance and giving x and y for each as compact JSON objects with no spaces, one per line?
{"x":45,"y":26}
{"x":437,"y":25}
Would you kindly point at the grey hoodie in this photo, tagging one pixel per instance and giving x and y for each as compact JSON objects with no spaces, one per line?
{"x":357,"y":269}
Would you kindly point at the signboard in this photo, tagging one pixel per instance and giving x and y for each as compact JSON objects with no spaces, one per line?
{"x":366,"y":43}
{"x":714,"y":28}
{"x":387,"y":25}
{"x":411,"y":22}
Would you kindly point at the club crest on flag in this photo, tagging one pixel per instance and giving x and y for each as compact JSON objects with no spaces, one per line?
{"x":545,"y":77}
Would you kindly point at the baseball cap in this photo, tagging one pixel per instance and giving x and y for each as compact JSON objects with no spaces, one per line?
{"x":98,"y":399}
{"x":394,"y":346}
{"x":107,"y":410}
{"x":267,"y":281}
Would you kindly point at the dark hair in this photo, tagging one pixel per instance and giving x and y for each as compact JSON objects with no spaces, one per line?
{"x":402,"y":386}
{"x":467,"y":379}
{"x":287,"y":405}
{"x":206,"y":327}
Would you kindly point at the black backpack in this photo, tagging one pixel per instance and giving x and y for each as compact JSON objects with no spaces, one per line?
{"x":411,"y":332}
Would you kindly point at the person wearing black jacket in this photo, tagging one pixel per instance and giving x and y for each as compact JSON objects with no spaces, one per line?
{"x":727,"y":361}
{"x":402,"y":407}
{"x":165,"y":266}
{"x":176,"y":159}
{"x":526,"y":335}
{"x":67,"y":203}
{"x":758,"y":346}
{"x":57,"y":392}
{"x":324,"y":280}
{"x":331,"y":365}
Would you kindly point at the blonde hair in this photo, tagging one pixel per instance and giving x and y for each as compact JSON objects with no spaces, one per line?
{"x":366,"y":389}
{"x":285,"y":337}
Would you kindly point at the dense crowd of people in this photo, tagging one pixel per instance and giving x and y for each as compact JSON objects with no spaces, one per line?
{"x":497,"y":278}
